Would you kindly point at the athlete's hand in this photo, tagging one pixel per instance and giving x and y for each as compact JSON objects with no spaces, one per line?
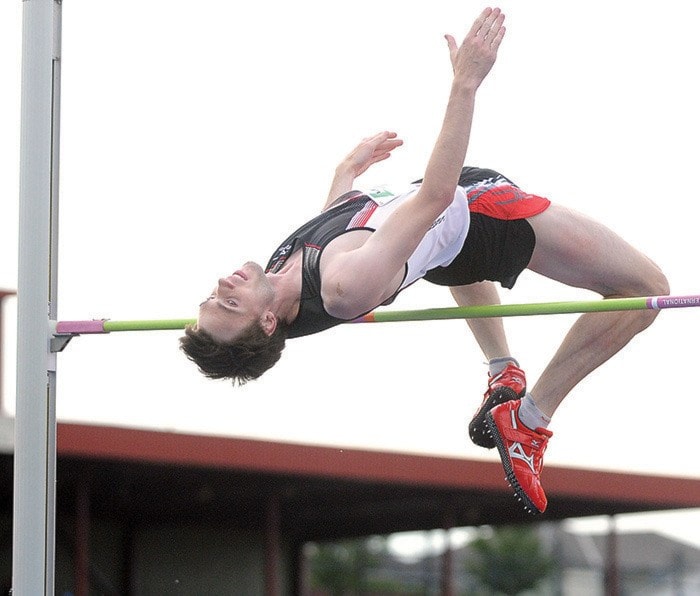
{"x":473,"y":59}
{"x":370,"y":151}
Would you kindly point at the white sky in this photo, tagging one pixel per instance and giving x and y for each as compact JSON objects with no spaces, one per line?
{"x":197,"y":136}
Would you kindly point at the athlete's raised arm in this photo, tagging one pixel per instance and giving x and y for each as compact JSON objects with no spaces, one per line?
{"x":471,"y":62}
{"x":385,"y":253}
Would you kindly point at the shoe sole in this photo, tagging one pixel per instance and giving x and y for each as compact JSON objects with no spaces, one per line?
{"x":478,"y":430}
{"x":520,"y":494}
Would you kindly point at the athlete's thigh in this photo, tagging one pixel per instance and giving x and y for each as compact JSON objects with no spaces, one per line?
{"x":576,"y":250}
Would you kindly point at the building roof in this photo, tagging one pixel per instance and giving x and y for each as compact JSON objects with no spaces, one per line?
{"x":329,"y":492}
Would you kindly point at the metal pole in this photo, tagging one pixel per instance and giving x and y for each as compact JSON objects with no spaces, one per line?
{"x":35,"y":419}
{"x":81,"y":573}
{"x":447,"y":584}
{"x":612,"y":570}
{"x":272,"y":545}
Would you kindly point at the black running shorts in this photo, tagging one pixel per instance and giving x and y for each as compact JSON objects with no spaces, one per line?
{"x":495,"y":250}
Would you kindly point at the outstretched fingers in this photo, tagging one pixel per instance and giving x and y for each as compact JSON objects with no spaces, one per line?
{"x":489,"y":26}
{"x":383,"y":144}
{"x":373,"y":149}
{"x":473,"y":59}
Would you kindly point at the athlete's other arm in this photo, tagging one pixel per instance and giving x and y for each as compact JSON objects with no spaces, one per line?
{"x":370,"y":151}
{"x":385,"y":253}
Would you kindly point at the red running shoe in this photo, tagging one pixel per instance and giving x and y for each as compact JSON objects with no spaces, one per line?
{"x":507,"y":385}
{"x":521,"y":450}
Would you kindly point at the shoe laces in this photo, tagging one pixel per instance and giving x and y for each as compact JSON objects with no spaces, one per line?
{"x":505,"y":376}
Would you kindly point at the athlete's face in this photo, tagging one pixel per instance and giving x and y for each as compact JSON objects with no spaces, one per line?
{"x":238,"y":301}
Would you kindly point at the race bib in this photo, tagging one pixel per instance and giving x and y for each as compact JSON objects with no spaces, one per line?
{"x":381,"y":195}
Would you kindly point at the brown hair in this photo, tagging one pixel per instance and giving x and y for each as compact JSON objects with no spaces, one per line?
{"x":243,"y":360}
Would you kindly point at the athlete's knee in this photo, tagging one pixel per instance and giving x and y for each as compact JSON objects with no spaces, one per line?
{"x":644,"y":278}
{"x":653,"y":282}
{"x":661,"y":286}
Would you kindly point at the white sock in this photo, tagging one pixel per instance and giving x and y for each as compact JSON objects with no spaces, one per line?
{"x":530,"y":415}
{"x":496,"y":365}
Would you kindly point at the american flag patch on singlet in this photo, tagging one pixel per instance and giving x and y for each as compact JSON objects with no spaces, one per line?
{"x":361,"y":218}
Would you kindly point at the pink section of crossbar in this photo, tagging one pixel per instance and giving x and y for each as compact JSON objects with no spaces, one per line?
{"x":69,"y":327}
{"x":660,"y":302}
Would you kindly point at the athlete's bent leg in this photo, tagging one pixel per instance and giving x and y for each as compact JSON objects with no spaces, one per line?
{"x":580,"y":252}
{"x":506,"y":380}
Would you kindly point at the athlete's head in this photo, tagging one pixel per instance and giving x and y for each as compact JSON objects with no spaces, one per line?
{"x":237,"y":335}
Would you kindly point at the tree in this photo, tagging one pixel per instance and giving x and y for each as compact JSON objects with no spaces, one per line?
{"x":509,"y":561}
{"x":342,"y":567}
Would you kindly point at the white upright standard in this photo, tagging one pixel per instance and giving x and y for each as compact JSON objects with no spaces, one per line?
{"x":33,"y":554}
